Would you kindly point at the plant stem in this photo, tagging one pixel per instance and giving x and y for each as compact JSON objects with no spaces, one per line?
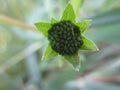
{"x":8,"y":20}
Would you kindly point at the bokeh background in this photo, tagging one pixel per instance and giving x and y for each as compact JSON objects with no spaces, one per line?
{"x":22,"y":46}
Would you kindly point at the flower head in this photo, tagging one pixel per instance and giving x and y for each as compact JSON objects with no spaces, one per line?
{"x":65,"y":37}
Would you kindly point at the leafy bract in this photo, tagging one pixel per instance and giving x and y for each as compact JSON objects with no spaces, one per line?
{"x":83,"y":25}
{"x":49,"y":53}
{"x":43,"y":27}
{"x":53,"y":21}
{"x":88,"y":44}
{"x":68,"y":13}
{"x":76,"y":5}
{"x":74,"y":60}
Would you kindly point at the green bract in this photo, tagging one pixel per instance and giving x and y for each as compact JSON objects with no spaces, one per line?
{"x":65,"y":37}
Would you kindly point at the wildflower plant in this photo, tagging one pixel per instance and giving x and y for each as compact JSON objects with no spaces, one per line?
{"x":66,"y":37}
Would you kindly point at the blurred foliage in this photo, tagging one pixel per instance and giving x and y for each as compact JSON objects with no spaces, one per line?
{"x":99,"y":70}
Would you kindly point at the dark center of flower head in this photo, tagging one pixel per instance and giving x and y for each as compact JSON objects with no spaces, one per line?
{"x":65,"y":38}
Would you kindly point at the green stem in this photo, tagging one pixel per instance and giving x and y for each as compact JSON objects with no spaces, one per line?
{"x":8,"y":20}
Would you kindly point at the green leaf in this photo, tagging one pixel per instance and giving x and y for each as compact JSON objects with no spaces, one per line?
{"x":49,"y":53}
{"x":53,"y":21}
{"x":74,"y":60}
{"x":83,"y":25}
{"x":68,"y":13}
{"x":43,"y":27}
{"x":76,"y":5}
{"x":88,"y":44}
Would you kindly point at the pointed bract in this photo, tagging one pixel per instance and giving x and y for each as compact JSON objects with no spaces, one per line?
{"x":88,"y":45}
{"x":49,"y":53}
{"x":76,"y":6}
{"x":83,"y":25}
{"x":53,"y":21}
{"x":68,"y":13}
{"x":43,"y":27}
{"x":74,"y":60}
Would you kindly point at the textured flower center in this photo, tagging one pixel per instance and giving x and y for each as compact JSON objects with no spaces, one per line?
{"x":65,"y":38}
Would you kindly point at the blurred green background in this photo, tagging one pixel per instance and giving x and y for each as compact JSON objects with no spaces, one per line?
{"x":22,"y":46}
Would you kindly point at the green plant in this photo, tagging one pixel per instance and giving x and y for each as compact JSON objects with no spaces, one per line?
{"x":65,"y":37}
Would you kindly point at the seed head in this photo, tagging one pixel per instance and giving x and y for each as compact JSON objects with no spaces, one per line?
{"x":65,"y":38}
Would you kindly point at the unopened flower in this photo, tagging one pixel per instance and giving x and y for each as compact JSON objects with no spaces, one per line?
{"x":65,"y":37}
